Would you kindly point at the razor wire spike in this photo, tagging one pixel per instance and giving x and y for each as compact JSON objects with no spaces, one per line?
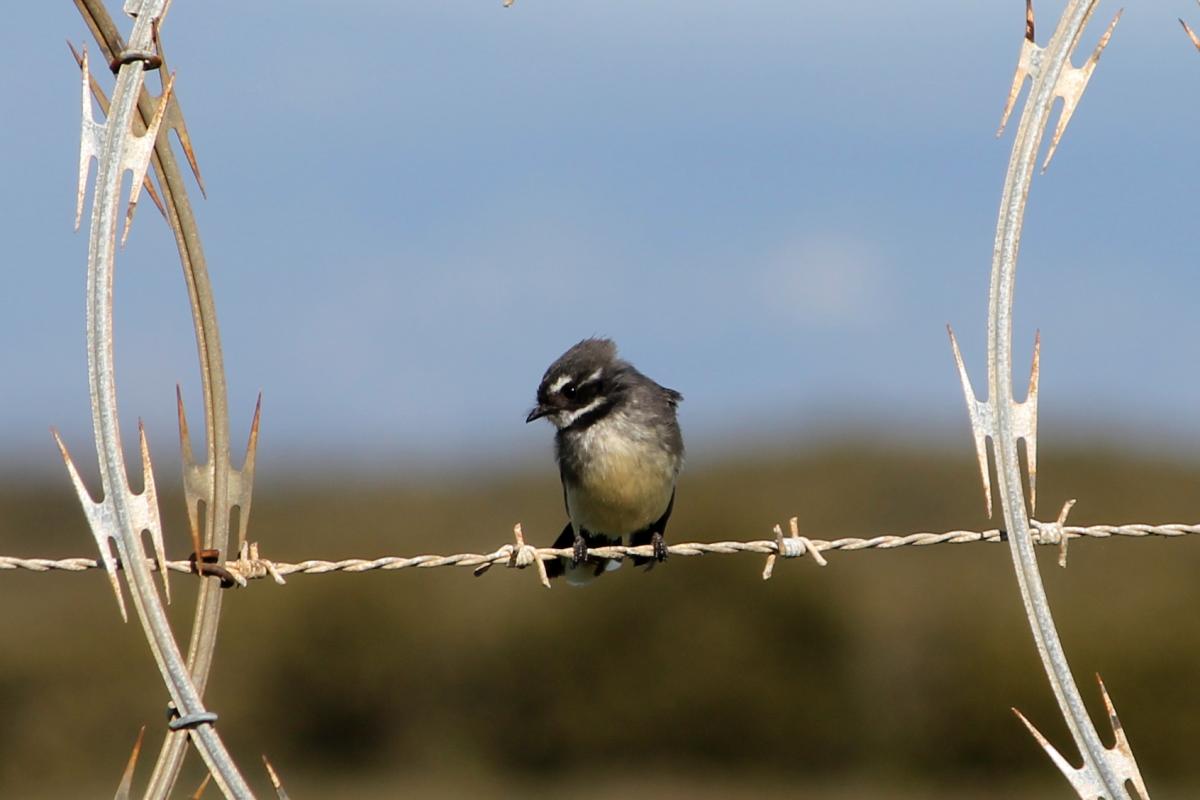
{"x":1119,"y":757}
{"x":193,"y":475}
{"x":241,"y":480}
{"x":196,"y":795}
{"x":276,"y":783}
{"x":1077,"y":777}
{"x":137,"y":155}
{"x":197,"y":476}
{"x":1190,"y":33}
{"x":102,"y":101}
{"x":102,"y":518}
{"x":1121,"y":746}
{"x":1081,"y":780}
{"x":90,"y":137}
{"x":123,"y":789}
{"x":99,"y":516}
{"x":1026,"y":418}
{"x":1028,"y":62}
{"x":984,"y":423}
{"x":174,"y":118}
{"x":981,"y":420}
{"x":1071,"y":83}
{"x":146,"y":507}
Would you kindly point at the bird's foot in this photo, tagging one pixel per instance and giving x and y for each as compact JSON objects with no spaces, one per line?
{"x":579,"y":551}
{"x":660,"y":547}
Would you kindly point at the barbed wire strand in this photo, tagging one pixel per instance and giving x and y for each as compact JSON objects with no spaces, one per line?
{"x":250,"y":566}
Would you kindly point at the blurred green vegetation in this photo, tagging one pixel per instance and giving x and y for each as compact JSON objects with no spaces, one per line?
{"x":886,"y":674}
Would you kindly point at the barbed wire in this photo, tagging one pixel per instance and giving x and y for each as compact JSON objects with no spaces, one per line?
{"x":251,"y":566}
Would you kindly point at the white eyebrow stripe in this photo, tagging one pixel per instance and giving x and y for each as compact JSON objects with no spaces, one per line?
{"x":595,"y":376}
{"x":559,"y":383}
{"x":566,"y":418}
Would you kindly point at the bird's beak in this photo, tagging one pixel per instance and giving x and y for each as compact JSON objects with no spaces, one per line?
{"x":538,"y":412}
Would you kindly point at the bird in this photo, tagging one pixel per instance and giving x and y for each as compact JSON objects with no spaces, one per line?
{"x":619,"y":452}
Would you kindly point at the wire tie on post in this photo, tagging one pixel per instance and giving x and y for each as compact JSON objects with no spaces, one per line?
{"x":792,"y":546}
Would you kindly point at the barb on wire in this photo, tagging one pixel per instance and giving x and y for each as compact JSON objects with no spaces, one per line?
{"x":251,"y":566}
{"x":792,"y":547}
{"x":1105,"y":772}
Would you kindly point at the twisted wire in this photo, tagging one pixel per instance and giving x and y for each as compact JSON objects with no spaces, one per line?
{"x":249,"y":566}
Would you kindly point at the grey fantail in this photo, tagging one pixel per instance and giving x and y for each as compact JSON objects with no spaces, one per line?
{"x":619,"y":451}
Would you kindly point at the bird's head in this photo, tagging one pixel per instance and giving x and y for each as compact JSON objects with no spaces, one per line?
{"x":584,"y":382}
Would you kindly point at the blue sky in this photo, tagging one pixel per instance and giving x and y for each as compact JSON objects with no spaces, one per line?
{"x":774,"y":207}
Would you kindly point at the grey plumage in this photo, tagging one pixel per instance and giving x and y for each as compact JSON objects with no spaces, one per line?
{"x":619,"y":450}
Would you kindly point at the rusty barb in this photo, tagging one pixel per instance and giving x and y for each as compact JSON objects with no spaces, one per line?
{"x":1191,"y":34}
{"x":1071,"y":81}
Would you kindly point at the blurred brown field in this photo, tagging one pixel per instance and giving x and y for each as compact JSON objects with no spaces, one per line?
{"x":886,"y":674}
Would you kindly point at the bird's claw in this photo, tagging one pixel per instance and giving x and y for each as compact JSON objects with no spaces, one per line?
{"x":660,"y":547}
{"x":579,"y":552}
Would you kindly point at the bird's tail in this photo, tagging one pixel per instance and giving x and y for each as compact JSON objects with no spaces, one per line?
{"x":588,"y":571}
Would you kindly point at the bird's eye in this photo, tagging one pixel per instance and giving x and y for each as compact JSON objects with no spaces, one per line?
{"x":569,"y":391}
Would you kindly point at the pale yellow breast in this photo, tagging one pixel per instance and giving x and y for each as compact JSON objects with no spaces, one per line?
{"x":626,"y":484}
